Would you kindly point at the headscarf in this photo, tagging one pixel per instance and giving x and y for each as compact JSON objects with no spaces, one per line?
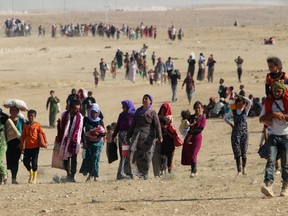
{"x":167,"y":107}
{"x":97,"y":109}
{"x":192,"y":55}
{"x":278,"y":86}
{"x":130,"y":106}
{"x":149,"y":96}
{"x":142,"y":110}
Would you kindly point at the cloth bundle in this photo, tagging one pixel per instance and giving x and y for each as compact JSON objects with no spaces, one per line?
{"x":20,"y":104}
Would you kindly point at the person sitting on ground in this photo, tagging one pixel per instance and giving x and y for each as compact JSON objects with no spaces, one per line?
{"x":256,"y":107}
{"x":211,"y":104}
{"x":218,"y":110}
{"x":270,"y":41}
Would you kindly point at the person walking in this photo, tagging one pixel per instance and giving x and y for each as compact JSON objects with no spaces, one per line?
{"x":210,"y":64}
{"x":169,"y":66}
{"x":103,"y":67}
{"x":191,"y":64}
{"x":13,"y":130}
{"x":193,"y":141}
{"x":93,"y":143}
{"x":69,"y":131}
{"x":239,"y":61}
{"x":239,"y":134}
{"x":96,"y":76}
{"x":190,"y":86}
{"x":274,"y":114}
{"x":124,"y":121}
{"x":174,"y":76}
{"x":3,"y":147}
{"x":142,"y":135}
{"x":30,"y":136}
{"x":160,"y":69}
{"x":53,"y":105}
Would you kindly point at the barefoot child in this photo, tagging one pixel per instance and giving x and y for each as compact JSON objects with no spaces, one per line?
{"x":30,"y":144}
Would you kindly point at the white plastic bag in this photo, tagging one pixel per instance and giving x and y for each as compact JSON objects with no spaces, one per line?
{"x":20,"y":104}
{"x":58,"y":108}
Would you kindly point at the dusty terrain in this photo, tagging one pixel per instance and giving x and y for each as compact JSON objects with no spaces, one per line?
{"x":32,"y":66}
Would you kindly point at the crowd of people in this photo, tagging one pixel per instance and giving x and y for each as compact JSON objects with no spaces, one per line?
{"x":16,"y":27}
{"x":100,"y":30}
{"x":150,"y":136}
{"x":172,"y":33}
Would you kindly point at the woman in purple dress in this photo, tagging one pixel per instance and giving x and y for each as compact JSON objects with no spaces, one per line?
{"x":193,"y":140}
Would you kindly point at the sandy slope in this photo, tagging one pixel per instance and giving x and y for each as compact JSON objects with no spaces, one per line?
{"x":29,"y":72}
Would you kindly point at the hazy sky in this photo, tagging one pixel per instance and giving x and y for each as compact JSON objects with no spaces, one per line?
{"x":48,"y":5}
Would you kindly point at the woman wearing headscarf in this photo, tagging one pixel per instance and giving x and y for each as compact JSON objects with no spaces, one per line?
{"x":142,"y":135}
{"x":123,"y":123}
{"x":201,"y":65}
{"x":3,"y":147}
{"x":193,"y":140}
{"x":164,"y":111}
{"x":191,"y":64}
{"x":14,"y":126}
{"x":93,"y":143}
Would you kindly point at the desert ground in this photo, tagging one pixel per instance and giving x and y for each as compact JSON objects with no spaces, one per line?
{"x":32,"y":66}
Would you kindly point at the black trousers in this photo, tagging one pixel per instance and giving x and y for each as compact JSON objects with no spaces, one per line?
{"x":70,"y":165}
{"x":13,"y":154}
{"x":31,"y":159}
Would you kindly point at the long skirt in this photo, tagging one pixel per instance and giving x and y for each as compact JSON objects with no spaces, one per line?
{"x":191,"y":149}
{"x":3,"y":148}
{"x":141,"y":152}
{"x":90,"y":164}
{"x":200,"y":75}
{"x":13,"y":154}
{"x":124,"y":170}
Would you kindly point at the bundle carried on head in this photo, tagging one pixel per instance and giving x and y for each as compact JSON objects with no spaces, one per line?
{"x":20,"y":104}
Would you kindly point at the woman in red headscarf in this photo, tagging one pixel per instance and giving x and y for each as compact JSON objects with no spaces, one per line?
{"x":157,"y":162}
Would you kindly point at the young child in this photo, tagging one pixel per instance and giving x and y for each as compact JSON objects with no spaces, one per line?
{"x":242,"y":92}
{"x":113,"y":68}
{"x":275,"y":74}
{"x":31,"y":135}
{"x":109,"y":133}
{"x":222,"y":89}
{"x":109,"y":140}
{"x":239,"y":135}
{"x":167,"y":146}
{"x":232,"y":98}
{"x":185,"y":125}
{"x":151,"y":76}
{"x":96,"y":75}
{"x":113,"y":125}
{"x":153,"y":58}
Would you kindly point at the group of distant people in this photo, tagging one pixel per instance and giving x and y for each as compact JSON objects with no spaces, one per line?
{"x":173,"y":33}
{"x":105,"y":30}
{"x":16,"y":27}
